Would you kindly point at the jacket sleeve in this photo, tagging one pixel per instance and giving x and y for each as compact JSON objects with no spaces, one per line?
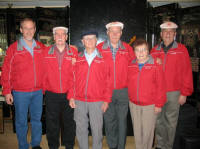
{"x":160,"y":86}
{"x":44,"y":75}
{"x":71,"y":92}
{"x":6,"y":71}
{"x":72,"y":79}
{"x":187,"y":80}
{"x":108,"y":85}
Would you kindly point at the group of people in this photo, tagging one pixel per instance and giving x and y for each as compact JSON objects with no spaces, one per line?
{"x":96,"y":86}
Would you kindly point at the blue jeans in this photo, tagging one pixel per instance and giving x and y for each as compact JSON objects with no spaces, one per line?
{"x":24,"y":102}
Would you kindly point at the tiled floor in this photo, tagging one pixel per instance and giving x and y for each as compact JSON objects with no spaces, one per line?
{"x":8,"y":139}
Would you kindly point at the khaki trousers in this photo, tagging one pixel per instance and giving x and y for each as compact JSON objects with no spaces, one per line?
{"x":144,"y":120}
{"x":167,"y":121}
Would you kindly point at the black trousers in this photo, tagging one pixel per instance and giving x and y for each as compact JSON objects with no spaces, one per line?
{"x":59,"y":115}
{"x":115,"y":119}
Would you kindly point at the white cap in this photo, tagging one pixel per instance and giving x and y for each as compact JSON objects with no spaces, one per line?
{"x":111,"y":24}
{"x":168,"y":25}
{"x":60,"y":27}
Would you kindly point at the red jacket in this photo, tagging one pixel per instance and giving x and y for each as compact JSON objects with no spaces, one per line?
{"x":146,"y":86}
{"x":177,"y":68}
{"x":21,"y":71}
{"x":58,"y":80}
{"x":91,"y":83}
{"x":119,"y":66}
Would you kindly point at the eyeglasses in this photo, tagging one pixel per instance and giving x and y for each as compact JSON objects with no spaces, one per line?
{"x":89,"y":38}
{"x":140,"y":50}
{"x":168,"y":31}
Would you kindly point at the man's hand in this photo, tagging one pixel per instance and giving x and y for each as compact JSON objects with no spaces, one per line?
{"x":182,"y":99}
{"x":104,"y":106}
{"x":157,"y":110}
{"x":9,"y":99}
{"x":72,"y":103}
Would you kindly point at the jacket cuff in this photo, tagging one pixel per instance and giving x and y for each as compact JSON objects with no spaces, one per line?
{"x":107,"y":100}
{"x":69,"y":96}
{"x":159,"y":105}
{"x":6,"y":91}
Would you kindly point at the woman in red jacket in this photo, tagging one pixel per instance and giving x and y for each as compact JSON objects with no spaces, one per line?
{"x":147,"y":95}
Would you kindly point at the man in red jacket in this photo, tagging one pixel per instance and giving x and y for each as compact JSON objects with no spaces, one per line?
{"x":91,"y":92}
{"x":117,"y":55}
{"x":22,"y":83}
{"x":179,"y":83}
{"x":58,"y":79}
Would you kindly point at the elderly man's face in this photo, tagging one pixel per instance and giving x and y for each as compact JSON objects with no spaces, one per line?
{"x":89,"y":41}
{"x":28,"y":30}
{"x":60,"y":37}
{"x":114,"y":34}
{"x":168,"y":35}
